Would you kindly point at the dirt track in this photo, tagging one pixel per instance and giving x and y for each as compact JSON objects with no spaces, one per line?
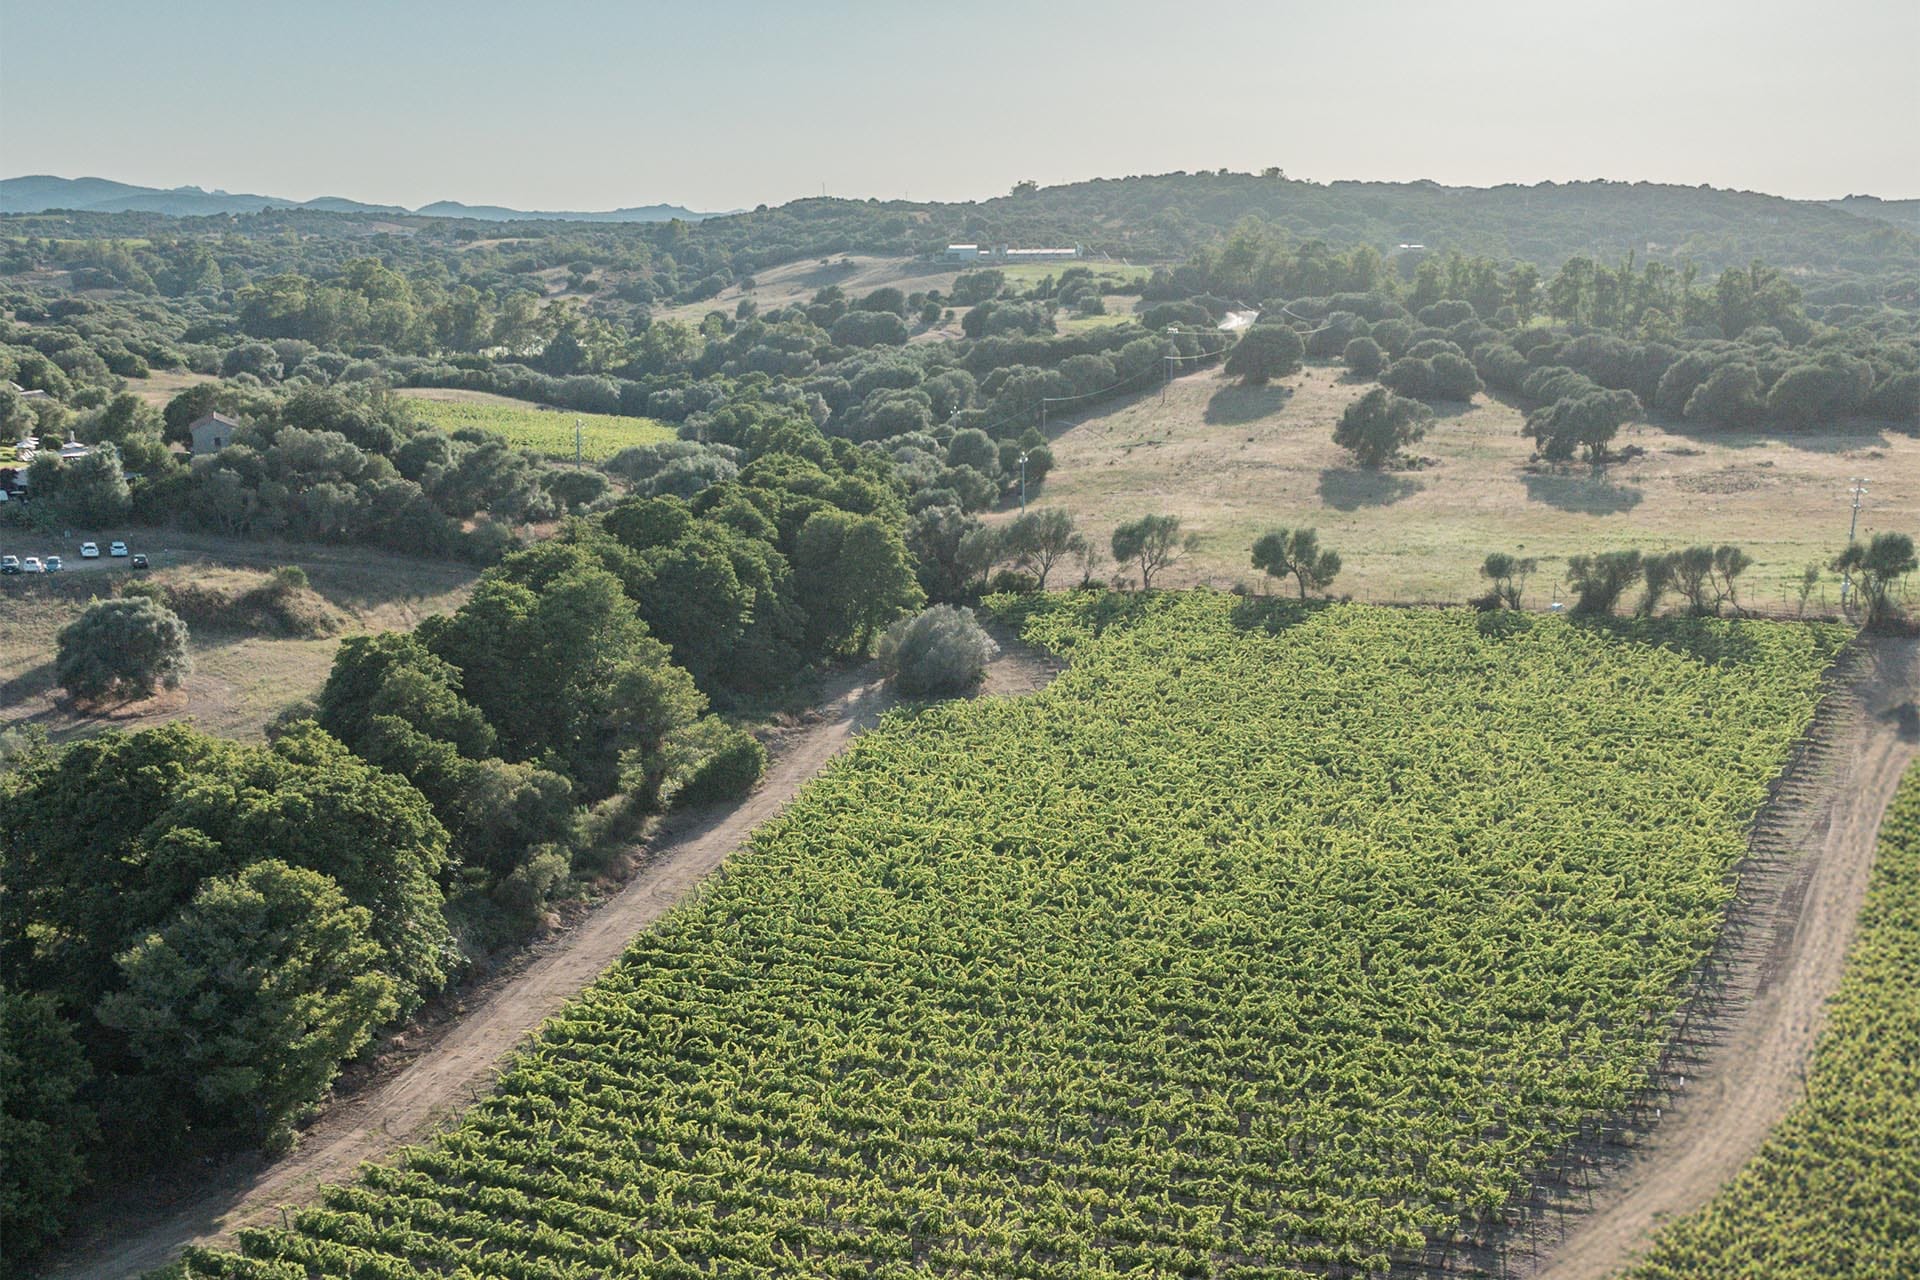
{"x":432,"y":1089}
{"x":1796,"y":926}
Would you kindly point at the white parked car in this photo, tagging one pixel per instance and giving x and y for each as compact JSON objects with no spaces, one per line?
{"x":32,"y":565}
{"x":89,"y":551}
{"x":117,"y":549}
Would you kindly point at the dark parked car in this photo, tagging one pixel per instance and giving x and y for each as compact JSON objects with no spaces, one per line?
{"x":139,"y":560}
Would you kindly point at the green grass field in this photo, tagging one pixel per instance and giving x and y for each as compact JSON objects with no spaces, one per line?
{"x":545,"y":431}
{"x":1267,"y":943}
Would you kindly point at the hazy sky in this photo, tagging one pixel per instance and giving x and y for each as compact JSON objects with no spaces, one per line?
{"x":563,"y":104}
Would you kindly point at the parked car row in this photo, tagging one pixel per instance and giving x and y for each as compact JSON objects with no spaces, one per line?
{"x":53,"y":564}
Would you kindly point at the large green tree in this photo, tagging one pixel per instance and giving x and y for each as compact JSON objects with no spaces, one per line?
{"x":1266,"y":352}
{"x":1377,"y":426}
{"x":854,"y":577}
{"x":107,"y":839}
{"x":45,"y":1125}
{"x":132,"y":647}
{"x":555,"y":655}
{"x":242,"y":1007}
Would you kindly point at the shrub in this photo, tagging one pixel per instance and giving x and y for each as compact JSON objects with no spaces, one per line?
{"x":1364,"y":357}
{"x":132,"y":646}
{"x":941,"y":650}
{"x":733,"y":761}
{"x":1265,"y":352}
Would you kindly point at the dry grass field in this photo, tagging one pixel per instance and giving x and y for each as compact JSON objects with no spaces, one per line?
{"x":1234,"y":461}
{"x":240,"y":680}
{"x":163,"y":385}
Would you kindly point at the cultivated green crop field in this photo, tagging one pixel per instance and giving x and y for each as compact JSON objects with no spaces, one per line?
{"x":1267,"y":941}
{"x":545,"y":431}
{"x":1836,"y":1189}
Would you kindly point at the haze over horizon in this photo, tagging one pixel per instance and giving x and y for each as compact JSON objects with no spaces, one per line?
{"x":655,"y":104}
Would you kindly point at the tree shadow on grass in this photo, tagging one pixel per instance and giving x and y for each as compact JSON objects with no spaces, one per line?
{"x":1593,"y":495}
{"x":28,"y":684}
{"x":1351,"y":488}
{"x":1846,"y":436}
{"x":1234,"y":404}
{"x":1273,"y":614}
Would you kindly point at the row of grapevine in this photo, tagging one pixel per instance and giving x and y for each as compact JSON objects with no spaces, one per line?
{"x":1835,"y":1192}
{"x":1264,"y":943}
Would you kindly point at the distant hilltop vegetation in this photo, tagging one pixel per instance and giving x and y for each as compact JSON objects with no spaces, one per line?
{"x":42,"y":192}
{"x":1155,"y":218}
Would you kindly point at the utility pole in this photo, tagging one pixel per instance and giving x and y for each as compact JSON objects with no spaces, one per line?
{"x":1859,"y":491}
{"x":1023,"y":482}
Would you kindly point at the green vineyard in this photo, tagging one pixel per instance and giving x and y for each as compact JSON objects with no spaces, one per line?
{"x":1835,"y":1192}
{"x":1266,"y":942}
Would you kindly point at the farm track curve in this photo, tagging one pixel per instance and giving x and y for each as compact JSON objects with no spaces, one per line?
{"x":429,"y":1092}
{"x":1794,"y":920}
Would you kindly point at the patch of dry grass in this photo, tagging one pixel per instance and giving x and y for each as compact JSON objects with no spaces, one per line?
{"x":242,"y":678}
{"x":163,"y":385}
{"x":1234,"y":461}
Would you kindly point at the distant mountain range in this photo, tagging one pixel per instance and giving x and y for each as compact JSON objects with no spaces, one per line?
{"x":41,"y":192}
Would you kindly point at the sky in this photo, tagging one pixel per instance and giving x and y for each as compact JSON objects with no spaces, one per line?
{"x":732,"y":103}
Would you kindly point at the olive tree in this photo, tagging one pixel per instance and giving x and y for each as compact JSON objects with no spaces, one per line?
{"x":1152,"y":543}
{"x":1508,"y":574}
{"x":1878,"y":568}
{"x":1296,"y":553}
{"x":132,"y":646}
{"x":1600,"y":580}
{"x":1041,"y":539}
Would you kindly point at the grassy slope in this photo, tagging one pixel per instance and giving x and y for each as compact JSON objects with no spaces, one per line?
{"x":526,"y":426}
{"x":239,"y":681}
{"x":1836,"y":1190}
{"x":1105,"y":981}
{"x":1232,"y":462}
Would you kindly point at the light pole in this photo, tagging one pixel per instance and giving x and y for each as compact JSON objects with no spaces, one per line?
{"x":1023,"y":482}
{"x":1859,"y":492}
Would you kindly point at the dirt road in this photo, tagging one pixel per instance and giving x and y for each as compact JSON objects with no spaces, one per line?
{"x":1816,"y":852}
{"x":431,"y":1090}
